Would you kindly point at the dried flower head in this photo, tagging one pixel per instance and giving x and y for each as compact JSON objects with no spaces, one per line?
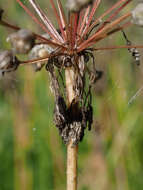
{"x":39,"y":51}
{"x":71,"y":47}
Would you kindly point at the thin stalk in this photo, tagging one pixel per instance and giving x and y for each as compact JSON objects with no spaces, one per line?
{"x":58,"y":18}
{"x":114,"y":15}
{"x":39,"y":37}
{"x":33,"y":61}
{"x":95,"y":6}
{"x":28,"y":11}
{"x":72,"y":152}
{"x":9,"y":25}
{"x":46,"y":21}
{"x":103,"y":32}
{"x":109,"y":33}
{"x":103,"y":15}
{"x":75,"y":25}
{"x":117,"y":47}
{"x":84,"y":19}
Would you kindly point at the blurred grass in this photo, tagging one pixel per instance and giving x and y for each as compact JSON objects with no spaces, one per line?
{"x":32,"y":155}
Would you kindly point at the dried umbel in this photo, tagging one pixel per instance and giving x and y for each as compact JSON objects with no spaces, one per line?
{"x":22,"y":41}
{"x":70,"y":48}
{"x":137,"y":15}
{"x":8,"y":61}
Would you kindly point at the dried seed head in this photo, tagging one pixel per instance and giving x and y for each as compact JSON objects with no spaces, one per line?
{"x":77,"y":5}
{"x":1,"y":13}
{"x":39,"y":51}
{"x":22,"y":41}
{"x":137,"y":15}
{"x":8,"y":61}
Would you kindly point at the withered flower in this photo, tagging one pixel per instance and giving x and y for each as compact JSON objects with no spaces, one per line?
{"x":72,"y":49}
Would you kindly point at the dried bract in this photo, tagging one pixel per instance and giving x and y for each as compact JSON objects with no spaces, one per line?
{"x":137,"y":15}
{"x":22,"y":41}
{"x":77,"y":5}
{"x":71,"y":125}
{"x":8,"y":61}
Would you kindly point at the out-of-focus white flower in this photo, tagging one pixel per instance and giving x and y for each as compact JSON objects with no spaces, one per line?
{"x":76,"y":5}
{"x":40,"y":51}
{"x":22,"y":41}
{"x":137,"y":15}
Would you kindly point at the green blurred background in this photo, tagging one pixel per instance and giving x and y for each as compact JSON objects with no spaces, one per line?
{"x":32,"y":155}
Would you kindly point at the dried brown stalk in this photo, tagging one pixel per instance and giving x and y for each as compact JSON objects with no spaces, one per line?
{"x":72,"y":152}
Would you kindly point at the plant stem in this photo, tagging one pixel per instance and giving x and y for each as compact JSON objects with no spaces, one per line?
{"x":72,"y":152}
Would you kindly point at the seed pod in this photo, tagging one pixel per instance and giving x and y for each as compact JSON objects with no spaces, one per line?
{"x":137,"y":15}
{"x":40,"y":51}
{"x":8,"y":61}
{"x":22,"y":41}
{"x":1,"y":13}
{"x":77,"y":5}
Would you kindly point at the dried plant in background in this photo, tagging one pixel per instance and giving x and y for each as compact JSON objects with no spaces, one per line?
{"x":69,"y":50}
